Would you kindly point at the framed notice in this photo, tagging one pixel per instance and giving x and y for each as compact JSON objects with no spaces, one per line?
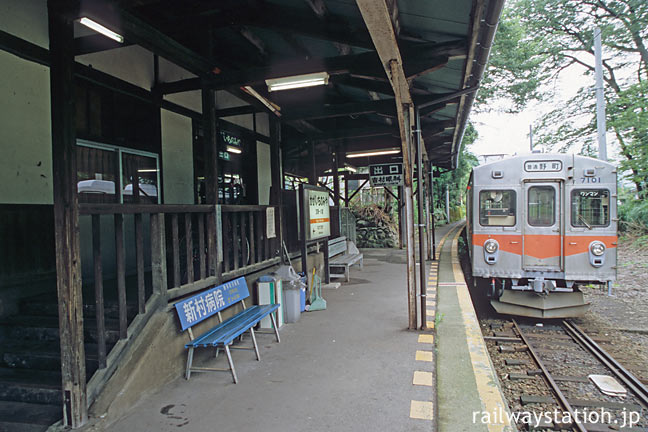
{"x":386,"y":174}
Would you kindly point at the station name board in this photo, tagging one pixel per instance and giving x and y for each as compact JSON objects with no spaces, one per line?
{"x":319,"y":217}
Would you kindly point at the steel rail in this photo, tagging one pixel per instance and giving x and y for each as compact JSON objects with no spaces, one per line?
{"x":640,"y":391}
{"x":550,"y":380}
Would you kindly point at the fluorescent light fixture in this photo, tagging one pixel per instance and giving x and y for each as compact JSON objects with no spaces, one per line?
{"x":350,"y":168}
{"x":271,"y":106}
{"x":377,"y":152}
{"x":146,"y":170}
{"x":233,"y":149}
{"x":101,"y":29}
{"x":298,"y":81}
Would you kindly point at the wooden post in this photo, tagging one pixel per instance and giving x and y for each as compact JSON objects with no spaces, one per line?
{"x":66,"y":216}
{"x":210,"y":128}
{"x":346,"y":190}
{"x":276,"y":196}
{"x":336,"y":178}
{"x":158,"y":254}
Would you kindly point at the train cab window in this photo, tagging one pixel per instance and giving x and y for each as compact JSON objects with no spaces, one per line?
{"x":497,"y":208}
{"x":542,"y":205}
{"x":590,"y":208}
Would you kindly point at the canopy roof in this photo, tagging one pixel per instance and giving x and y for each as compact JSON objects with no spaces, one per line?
{"x":236,"y":45}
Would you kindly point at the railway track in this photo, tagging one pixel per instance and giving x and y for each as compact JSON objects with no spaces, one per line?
{"x":549,"y":369}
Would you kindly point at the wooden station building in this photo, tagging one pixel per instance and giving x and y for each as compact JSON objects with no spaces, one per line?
{"x":143,"y":142}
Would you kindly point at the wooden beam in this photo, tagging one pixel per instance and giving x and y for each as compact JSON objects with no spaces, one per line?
{"x":137,"y":31}
{"x":378,"y":20}
{"x":96,"y":43}
{"x":385,"y":106}
{"x":363,"y":132}
{"x":66,"y":217}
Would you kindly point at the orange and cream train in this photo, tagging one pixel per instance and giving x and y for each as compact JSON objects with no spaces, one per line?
{"x":540,"y":228}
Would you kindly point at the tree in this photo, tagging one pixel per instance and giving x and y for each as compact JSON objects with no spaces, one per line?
{"x":539,"y":39}
{"x":456,"y":180}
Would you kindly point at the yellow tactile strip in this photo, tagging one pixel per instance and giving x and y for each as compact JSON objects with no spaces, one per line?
{"x":424,"y":410}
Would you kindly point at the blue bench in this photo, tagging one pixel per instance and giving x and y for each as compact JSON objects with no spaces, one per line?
{"x":199,"y":307}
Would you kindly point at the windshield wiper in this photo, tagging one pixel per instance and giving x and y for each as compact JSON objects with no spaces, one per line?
{"x":584,"y":221}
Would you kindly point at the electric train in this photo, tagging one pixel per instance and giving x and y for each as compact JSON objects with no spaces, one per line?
{"x":540,"y":228}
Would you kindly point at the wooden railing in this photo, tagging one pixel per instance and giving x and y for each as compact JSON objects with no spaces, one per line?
{"x":177,"y":251}
{"x":246,"y":244}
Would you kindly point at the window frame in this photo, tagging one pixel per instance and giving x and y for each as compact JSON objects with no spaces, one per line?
{"x":572,"y":213}
{"x":514,"y":206}
{"x":119,"y":151}
{"x":528,"y":203}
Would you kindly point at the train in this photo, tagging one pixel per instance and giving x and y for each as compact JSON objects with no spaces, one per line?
{"x":541,"y":228}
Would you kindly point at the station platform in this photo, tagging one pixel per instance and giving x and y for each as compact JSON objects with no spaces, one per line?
{"x":353,"y":366}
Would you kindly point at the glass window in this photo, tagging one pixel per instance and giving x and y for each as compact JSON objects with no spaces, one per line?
{"x":542,"y":206}
{"x":99,"y":173}
{"x":96,"y":175}
{"x":590,"y":207}
{"x":497,"y":207}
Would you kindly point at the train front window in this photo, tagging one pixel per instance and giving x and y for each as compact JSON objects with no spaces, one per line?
{"x":497,"y":208}
{"x":542,"y":205}
{"x":590,"y":208}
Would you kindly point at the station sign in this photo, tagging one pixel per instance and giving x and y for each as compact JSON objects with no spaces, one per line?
{"x":390,"y":174}
{"x":543,"y":166}
{"x":319,"y":217}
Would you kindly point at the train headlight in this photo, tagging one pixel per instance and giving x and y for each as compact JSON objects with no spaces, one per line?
{"x":597,"y":248}
{"x":491,"y":246}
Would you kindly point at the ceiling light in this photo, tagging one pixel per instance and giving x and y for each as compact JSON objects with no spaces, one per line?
{"x":147,"y":170}
{"x":233,"y":149}
{"x":378,"y":152}
{"x":101,"y":29}
{"x":271,"y":106}
{"x":350,"y":168}
{"x":298,"y":81}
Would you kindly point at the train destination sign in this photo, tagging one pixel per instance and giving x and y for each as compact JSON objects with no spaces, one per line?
{"x":386,"y":174}
{"x":543,"y":166}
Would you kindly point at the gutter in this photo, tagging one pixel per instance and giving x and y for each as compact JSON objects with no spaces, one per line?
{"x":484,"y":44}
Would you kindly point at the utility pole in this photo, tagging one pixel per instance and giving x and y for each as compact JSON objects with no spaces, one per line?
{"x":531,"y":138}
{"x":600,"y":101}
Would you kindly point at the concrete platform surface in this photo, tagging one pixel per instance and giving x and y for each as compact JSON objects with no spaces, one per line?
{"x":348,"y":368}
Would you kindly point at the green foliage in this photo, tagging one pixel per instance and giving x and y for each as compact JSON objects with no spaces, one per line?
{"x":457,"y":180}
{"x":539,"y":39}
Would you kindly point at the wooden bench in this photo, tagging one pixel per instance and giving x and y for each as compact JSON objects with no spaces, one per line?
{"x":342,"y":255}
{"x":199,"y":307}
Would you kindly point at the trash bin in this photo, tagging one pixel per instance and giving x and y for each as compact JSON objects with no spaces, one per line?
{"x":291,"y":303}
{"x":270,"y":292}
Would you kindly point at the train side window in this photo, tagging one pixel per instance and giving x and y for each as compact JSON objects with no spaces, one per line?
{"x":542,"y":206}
{"x":497,"y":208}
{"x":590,"y":208}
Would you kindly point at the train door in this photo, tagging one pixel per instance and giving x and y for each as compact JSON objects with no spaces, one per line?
{"x":542,"y":226}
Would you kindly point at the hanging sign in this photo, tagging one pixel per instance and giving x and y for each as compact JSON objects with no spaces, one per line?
{"x":270,"y":223}
{"x":386,"y":174}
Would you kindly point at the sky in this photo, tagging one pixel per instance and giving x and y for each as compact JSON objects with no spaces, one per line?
{"x":500,"y":132}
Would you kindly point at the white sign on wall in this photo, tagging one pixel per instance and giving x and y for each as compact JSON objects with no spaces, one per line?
{"x":270,"y":223}
{"x":386,"y":174}
{"x":319,"y":218}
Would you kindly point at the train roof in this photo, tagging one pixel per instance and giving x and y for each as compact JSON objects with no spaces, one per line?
{"x":521,"y":159}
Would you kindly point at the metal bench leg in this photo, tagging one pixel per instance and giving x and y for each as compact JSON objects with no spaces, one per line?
{"x":347,"y":273}
{"x":231,"y":364}
{"x":361,"y":263}
{"x":216,"y":353}
{"x":189,"y":362}
{"x":274,"y":326}
{"x":256,"y":348}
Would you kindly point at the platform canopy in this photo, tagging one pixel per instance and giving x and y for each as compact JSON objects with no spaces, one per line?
{"x":238,"y":45}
